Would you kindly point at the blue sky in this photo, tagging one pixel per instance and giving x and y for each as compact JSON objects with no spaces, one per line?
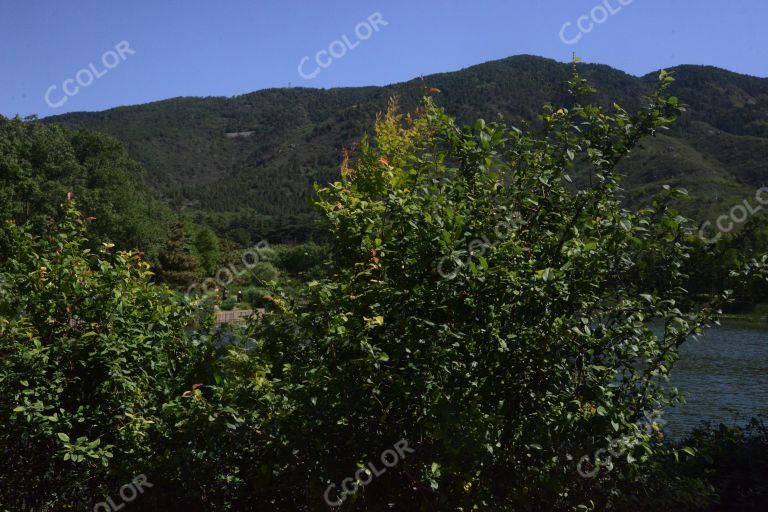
{"x":229,"y":47}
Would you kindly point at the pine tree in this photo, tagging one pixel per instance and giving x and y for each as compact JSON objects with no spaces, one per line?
{"x":178,"y":267}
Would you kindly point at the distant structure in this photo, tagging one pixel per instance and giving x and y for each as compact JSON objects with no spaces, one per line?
{"x":239,"y":135}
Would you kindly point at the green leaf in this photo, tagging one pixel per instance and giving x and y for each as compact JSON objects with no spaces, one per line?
{"x":547,"y":274}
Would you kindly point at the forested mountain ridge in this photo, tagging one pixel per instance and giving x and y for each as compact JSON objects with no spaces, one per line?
{"x":247,"y":163}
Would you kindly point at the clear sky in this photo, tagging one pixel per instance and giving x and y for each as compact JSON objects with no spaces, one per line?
{"x":170,"y":48}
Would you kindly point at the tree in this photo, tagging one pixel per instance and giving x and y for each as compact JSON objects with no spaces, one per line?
{"x":39,"y":164}
{"x":264,"y":272}
{"x":104,"y":383}
{"x":206,"y":245}
{"x":301,"y":258}
{"x":177,"y":266}
{"x":489,"y":313}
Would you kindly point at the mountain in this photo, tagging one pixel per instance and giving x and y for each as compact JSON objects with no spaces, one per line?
{"x":247,"y":163}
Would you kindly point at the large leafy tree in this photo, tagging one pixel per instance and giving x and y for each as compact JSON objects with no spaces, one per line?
{"x":40,"y":163}
{"x":503,"y":321}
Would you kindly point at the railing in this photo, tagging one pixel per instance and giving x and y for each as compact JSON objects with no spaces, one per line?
{"x":229,"y":317}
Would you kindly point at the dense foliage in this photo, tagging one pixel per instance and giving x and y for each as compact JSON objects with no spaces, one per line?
{"x":39,"y":164}
{"x":478,"y":331}
{"x":728,"y":473}
{"x":716,"y":256}
{"x":177,"y":265}
{"x":89,"y":351}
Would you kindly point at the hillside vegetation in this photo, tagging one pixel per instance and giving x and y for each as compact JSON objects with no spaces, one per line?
{"x":260,"y":181}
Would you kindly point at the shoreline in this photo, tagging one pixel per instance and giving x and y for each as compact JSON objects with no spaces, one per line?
{"x":744,"y":320}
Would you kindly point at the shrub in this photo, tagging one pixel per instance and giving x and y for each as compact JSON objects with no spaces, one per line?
{"x":264,"y":272}
{"x":729,"y":472}
{"x":488,"y":312}
{"x":255,"y":297}
{"x":102,"y":381}
{"x":300,"y":258}
{"x":89,"y":352}
{"x":229,"y":304}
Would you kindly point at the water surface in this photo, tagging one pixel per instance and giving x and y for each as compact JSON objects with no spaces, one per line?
{"x":724,"y":375}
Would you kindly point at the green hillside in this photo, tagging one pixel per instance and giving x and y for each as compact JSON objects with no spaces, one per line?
{"x":249,"y":162}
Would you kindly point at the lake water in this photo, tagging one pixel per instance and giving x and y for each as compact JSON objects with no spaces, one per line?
{"x":724,"y":375}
